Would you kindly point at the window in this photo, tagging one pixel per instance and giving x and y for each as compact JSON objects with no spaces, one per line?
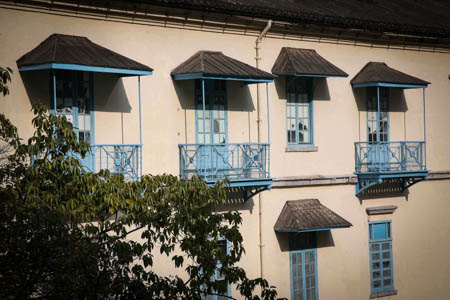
{"x":299,"y":111}
{"x":303,"y":265}
{"x":219,"y":278}
{"x":215,"y":112}
{"x":372,"y":107}
{"x":74,"y":101}
{"x":380,"y":245}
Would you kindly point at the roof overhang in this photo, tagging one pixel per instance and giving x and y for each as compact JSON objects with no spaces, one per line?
{"x":309,"y":75}
{"x":192,"y":76}
{"x":307,"y":216}
{"x":387,"y":84}
{"x":58,"y":66}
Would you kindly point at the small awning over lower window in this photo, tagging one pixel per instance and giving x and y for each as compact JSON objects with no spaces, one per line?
{"x":308,"y":215}
{"x":379,"y":74}
{"x":304,"y":63}
{"x":216,"y":65}
{"x":68,"y":52}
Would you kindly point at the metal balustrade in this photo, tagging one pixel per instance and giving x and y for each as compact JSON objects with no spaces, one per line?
{"x":233,"y":161}
{"x":390,"y":157}
{"x":117,"y":158}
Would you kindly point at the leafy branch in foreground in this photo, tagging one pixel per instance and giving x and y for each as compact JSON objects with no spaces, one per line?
{"x":67,"y":233}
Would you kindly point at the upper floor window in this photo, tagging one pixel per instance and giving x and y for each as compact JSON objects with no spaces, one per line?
{"x":299,"y":111}
{"x":211,"y":128}
{"x":380,"y":245}
{"x":74,"y":101}
{"x":372,"y":109}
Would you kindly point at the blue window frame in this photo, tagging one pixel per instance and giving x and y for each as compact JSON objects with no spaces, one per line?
{"x":380,"y":251}
{"x":299,"y":111}
{"x":216,"y":117}
{"x":74,"y":100}
{"x":219,"y":278}
{"x":372,"y":108}
{"x":303,"y":266}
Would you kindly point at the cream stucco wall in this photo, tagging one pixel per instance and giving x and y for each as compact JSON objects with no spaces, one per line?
{"x":420,"y":224}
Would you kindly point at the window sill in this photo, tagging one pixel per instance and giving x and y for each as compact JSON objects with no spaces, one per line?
{"x":306,"y":148}
{"x":383,"y":294}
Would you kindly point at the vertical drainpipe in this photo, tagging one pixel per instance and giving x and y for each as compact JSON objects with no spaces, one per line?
{"x":258,"y":122}
{"x":140,"y":127}
{"x":424,"y":131}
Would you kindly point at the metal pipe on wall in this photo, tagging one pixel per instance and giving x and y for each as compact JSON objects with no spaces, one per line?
{"x":258,"y":123}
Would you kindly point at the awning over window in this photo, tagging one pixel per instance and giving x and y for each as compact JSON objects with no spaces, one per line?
{"x":68,"y":52}
{"x":308,"y":215}
{"x":304,"y":62}
{"x":379,"y":74}
{"x":216,"y":65}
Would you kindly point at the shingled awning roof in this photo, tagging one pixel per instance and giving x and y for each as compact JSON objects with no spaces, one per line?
{"x":379,"y":74}
{"x":60,"y":51}
{"x":304,"y":62}
{"x":308,"y":215}
{"x":216,"y":65}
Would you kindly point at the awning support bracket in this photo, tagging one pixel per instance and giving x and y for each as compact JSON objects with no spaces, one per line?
{"x":251,"y":191}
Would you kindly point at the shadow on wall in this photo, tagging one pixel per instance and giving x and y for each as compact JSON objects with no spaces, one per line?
{"x":236,"y":201}
{"x":397,"y":100}
{"x":238,"y":95}
{"x":302,"y":240}
{"x":109,"y":94}
{"x":109,"y":91}
{"x":391,"y":188}
{"x":320,"y":88}
{"x":37,"y":86}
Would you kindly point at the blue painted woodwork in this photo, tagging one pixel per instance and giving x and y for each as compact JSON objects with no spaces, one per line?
{"x":122,"y":159}
{"x":402,"y":157}
{"x":303,"y":270}
{"x":245,"y":164}
{"x":386,"y":84}
{"x":204,"y":76}
{"x":223,"y":243}
{"x":123,"y":72}
{"x":68,"y":85}
{"x":380,"y":252}
{"x":299,"y":112}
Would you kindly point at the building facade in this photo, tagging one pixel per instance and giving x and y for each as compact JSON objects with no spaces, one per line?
{"x":335,"y":139}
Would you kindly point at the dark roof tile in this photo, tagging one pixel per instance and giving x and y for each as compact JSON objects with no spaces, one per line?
{"x":380,"y":72}
{"x":308,"y":215}
{"x":292,"y":61}
{"x":69,"y":49}
{"x":214,"y":63}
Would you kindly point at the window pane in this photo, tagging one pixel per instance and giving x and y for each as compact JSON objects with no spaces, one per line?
{"x":386,"y":273}
{"x":375,"y":256}
{"x":375,"y":247}
{"x":387,"y":282}
{"x":377,"y":284}
{"x":376,"y":275}
{"x":386,"y":255}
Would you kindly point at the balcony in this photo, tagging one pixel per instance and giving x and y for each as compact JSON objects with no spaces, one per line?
{"x":118,"y":159}
{"x":377,"y":161}
{"x":243,"y":164}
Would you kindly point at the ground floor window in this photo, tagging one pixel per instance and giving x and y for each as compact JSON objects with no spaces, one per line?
{"x":225,"y":288}
{"x":303,"y":265}
{"x":380,"y":247}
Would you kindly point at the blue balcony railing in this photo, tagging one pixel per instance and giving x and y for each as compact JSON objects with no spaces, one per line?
{"x":390,"y":157}
{"x":235,"y":162}
{"x":118,"y":159}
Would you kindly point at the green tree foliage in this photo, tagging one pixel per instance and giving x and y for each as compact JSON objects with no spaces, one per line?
{"x":69,"y":234}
